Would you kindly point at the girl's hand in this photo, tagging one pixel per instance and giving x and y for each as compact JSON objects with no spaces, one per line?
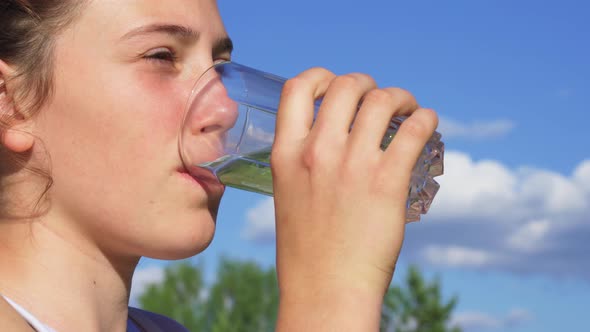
{"x":340,"y":201}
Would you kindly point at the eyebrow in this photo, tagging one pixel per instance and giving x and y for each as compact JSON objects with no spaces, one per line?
{"x":220,"y":46}
{"x":171,"y":29}
{"x":223,"y":45}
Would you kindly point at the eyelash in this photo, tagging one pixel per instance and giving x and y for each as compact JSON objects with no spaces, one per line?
{"x":161,"y":55}
{"x":167,"y":56}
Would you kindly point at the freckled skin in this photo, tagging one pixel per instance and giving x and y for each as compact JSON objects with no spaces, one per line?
{"x":112,"y":129}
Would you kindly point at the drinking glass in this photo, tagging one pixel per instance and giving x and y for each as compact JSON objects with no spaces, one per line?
{"x":229,"y":127}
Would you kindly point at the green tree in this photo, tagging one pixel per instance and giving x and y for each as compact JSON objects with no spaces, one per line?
{"x":417,"y":307}
{"x":246,"y":294}
{"x":243,"y":298}
{"x":179,"y":296}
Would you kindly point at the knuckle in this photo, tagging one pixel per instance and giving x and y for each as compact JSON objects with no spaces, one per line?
{"x":415,"y":127}
{"x":315,"y":157}
{"x":282,"y":156}
{"x":363,"y":77}
{"x":275,"y":167}
{"x":310,"y":156}
{"x":403,"y":97}
{"x":277,"y":157}
{"x":276,"y":154}
{"x":317,"y":74}
{"x":292,"y":85}
{"x":400,"y":93}
{"x":379,"y":96}
{"x":307,"y":81}
{"x":319,"y":71}
{"x":346,"y":82}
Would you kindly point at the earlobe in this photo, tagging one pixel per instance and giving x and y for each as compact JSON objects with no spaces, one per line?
{"x":17,"y":140}
{"x":18,"y":137}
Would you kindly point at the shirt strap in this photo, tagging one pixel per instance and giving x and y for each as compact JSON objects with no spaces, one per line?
{"x":142,"y":320}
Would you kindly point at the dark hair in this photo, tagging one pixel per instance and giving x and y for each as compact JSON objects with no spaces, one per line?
{"x":27,"y":35}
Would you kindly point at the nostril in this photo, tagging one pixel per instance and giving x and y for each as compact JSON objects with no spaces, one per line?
{"x":211,"y":128}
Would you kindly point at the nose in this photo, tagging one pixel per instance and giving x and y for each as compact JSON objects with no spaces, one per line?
{"x":210,"y":115}
{"x":211,"y":109}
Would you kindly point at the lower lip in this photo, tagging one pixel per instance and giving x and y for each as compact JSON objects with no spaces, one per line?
{"x":188,"y":177}
{"x":208,"y":186}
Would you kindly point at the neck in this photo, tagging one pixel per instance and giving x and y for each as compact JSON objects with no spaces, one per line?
{"x":62,"y":278}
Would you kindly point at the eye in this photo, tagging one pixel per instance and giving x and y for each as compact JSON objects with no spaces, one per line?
{"x":161,"y":54}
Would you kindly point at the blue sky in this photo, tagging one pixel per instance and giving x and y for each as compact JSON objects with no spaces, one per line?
{"x":509,"y":231}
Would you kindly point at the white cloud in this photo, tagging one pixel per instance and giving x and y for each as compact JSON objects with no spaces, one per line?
{"x":260,"y":221}
{"x":479,"y":321}
{"x":457,"y":256}
{"x":522,"y":220}
{"x":263,"y":137}
{"x":518,"y":316}
{"x":476,"y":130}
{"x":469,"y":188}
{"x":490,"y":216}
{"x":142,"y":278}
{"x":530,"y":236}
{"x":487,"y":189}
{"x":475,"y":321}
{"x":582,"y":176}
{"x":554,"y":192}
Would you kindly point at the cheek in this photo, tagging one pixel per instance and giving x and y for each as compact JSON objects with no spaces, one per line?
{"x":119,"y":125}
{"x":147,"y":110}
{"x":161,"y":102}
{"x":121,"y":129}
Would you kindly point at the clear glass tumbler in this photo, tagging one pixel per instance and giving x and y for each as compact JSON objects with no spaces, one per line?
{"x":229,"y":126}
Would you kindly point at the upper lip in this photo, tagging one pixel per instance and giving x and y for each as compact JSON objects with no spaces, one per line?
{"x":181,"y":169}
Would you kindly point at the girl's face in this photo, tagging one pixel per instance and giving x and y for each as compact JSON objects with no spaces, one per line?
{"x":123,"y":72}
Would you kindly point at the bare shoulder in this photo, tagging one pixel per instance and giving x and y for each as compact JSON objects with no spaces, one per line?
{"x":164,"y":323}
{"x":10,"y":320}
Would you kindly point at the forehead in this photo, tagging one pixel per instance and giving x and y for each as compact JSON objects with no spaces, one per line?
{"x":119,"y":16}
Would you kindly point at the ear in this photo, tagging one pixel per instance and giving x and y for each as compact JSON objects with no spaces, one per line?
{"x":18,"y":137}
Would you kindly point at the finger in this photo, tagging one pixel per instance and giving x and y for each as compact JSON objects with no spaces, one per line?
{"x":296,"y":107}
{"x":374,"y":117}
{"x":403,"y":152}
{"x":339,"y":106}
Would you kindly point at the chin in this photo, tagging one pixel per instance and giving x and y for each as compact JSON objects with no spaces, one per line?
{"x":184,"y":242}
